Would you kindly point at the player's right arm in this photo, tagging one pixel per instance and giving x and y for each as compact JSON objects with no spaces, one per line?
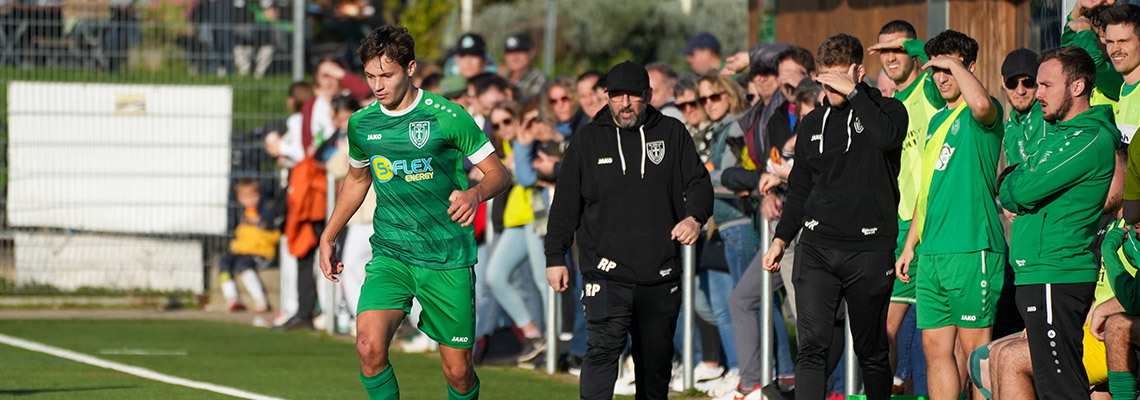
{"x":351,"y":195}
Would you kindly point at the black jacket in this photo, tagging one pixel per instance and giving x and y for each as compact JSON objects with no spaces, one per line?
{"x":622,"y":191}
{"x":847,"y":194}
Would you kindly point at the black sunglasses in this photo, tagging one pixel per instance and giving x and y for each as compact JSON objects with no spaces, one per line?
{"x":686,"y":105}
{"x":713,"y":97}
{"x":1028,"y":81}
{"x":499,"y":125}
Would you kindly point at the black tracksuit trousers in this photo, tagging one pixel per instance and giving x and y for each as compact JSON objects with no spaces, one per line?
{"x":823,"y":277}
{"x":617,"y":310}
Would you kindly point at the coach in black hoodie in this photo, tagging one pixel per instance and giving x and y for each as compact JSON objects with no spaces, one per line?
{"x":844,"y":190}
{"x":633,"y":189}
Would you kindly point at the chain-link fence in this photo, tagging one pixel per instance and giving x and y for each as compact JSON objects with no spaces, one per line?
{"x":124,"y":124}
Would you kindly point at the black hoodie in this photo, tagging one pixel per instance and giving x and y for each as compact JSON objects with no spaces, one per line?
{"x":622,"y":191}
{"x":844,"y":184}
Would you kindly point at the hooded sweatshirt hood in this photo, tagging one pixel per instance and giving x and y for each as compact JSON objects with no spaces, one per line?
{"x":1058,"y":194}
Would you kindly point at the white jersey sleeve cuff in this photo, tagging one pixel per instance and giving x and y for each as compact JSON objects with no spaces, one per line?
{"x":357,"y":163}
{"x":482,"y":153}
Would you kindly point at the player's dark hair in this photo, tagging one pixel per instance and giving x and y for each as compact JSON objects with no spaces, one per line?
{"x":840,"y":49}
{"x":898,"y":26}
{"x":953,"y":43}
{"x":1122,"y":14}
{"x":1076,"y":64}
{"x":798,"y":54}
{"x":389,"y":41}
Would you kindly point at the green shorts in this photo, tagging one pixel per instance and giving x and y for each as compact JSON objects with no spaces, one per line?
{"x":960,"y":289}
{"x":447,"y":297}
{"x":902,"y":292}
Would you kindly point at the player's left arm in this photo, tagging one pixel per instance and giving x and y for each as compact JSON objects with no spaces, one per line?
{"x":464,"y":203}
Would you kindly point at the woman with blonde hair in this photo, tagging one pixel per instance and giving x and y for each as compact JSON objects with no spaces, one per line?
{"x":559,"y":103}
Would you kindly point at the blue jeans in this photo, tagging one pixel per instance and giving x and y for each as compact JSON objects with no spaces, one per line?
{"x":912,"y":361}
{"x":740,"y":246}
{"x":784,"y":364}
{"x":718,"y":285}
{"x":515,"y":246}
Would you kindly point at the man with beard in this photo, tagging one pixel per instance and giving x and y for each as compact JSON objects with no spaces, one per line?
{"x":902,"y":55}
{"x":1122,"y":41}
{"x":1025,"y":128}
{"x":1058,"y":194}
{"x":632,"y":190}
{"x":843,"y":191}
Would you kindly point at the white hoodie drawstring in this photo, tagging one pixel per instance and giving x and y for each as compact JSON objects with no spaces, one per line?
{"x":617,"y":132}
{"x":643,"y":150}
{"x":823,"y":129}
{"x":849,"y":115}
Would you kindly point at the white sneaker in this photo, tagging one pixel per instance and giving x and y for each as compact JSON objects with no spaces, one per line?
{"x":622,"y":388}
{"x":704,"y":373}
{"x":728,"y":384}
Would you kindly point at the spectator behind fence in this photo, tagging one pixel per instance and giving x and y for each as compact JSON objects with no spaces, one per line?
{"x":588,"y":101}
{"x":1057,"y":199}
{"x":471,"y":55}
{"x":703,"y":53}
{"x":560,"y":104}
{"x":696,"y":121}
{"x":955,"y":219}
{"x":845,"y":249}
{"x":662,"y":79}
{"x":518,"y":67}
{"x":254,"y":247}
{"x":287,"y":148}
{"x":630,"y":262}
{"x":518,"y":242}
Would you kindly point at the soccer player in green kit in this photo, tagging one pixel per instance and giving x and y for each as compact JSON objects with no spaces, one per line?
{"x":902,"y":56}
{"x":1025,"y":127}
{"x":1122,"y":43}
{"x":962,"y":257}
{"x":408,"y":145}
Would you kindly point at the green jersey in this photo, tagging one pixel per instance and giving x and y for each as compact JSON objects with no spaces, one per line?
{"x":416,"y":159}
{"x":1127,"y":121}
{"x":961,"y":214}
{"x":922,"y":100}
{"x":1023,"y":132}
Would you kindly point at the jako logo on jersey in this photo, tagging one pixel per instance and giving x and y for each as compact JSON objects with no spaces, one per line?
{"x":605,"y":160}
{"x":606,"y":265}
{"x":460,"y":339}
{"x":858,"y":126}
{"x":592,"y":289}
{"x":969,"y":318}
{"x":870,"y":231}
{"x":417,"y":169}
{"x":419,"y":133}
{"x":811,"y":224}
{"x":375,"y":136}
{"x":656,"y":151}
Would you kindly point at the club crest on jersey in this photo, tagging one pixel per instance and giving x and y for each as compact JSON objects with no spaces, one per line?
{"x":656,"y":151}
{"x":419,"y":132}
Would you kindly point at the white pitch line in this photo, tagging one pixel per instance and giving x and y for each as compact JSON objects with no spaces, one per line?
{"x":136,"y":371}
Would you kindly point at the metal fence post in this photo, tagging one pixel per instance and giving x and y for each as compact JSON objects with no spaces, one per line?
{"x":298,"y":40}
{"x":551,"y":330}
{"x":766,"y":322}
{"x":687,"y":273}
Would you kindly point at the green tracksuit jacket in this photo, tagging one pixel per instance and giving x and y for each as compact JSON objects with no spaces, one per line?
{"x":1124,"y":285}
{"x":1058,"y":193}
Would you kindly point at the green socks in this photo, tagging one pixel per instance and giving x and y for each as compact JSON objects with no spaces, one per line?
{"x":472,"y":394}
{"x":1122,"y":385}
{"x":383,"y":386}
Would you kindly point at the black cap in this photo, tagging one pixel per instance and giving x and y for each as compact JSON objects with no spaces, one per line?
{"x":627,"y":77}
{"x":703,"y":40}
{"x":519,"y":41}
{"x":764,"y":58}
{"x":472,"y":44}
{"x":1020,"y":62}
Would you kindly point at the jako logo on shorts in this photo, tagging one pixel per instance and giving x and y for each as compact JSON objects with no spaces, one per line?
{"x":413,"y":170}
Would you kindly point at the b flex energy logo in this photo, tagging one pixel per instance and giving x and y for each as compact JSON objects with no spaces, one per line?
{"x":413,"y":170}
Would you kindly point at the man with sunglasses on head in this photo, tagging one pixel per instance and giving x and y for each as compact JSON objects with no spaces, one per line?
{"x":631,"y":191}
{"x":1025,"y":127}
